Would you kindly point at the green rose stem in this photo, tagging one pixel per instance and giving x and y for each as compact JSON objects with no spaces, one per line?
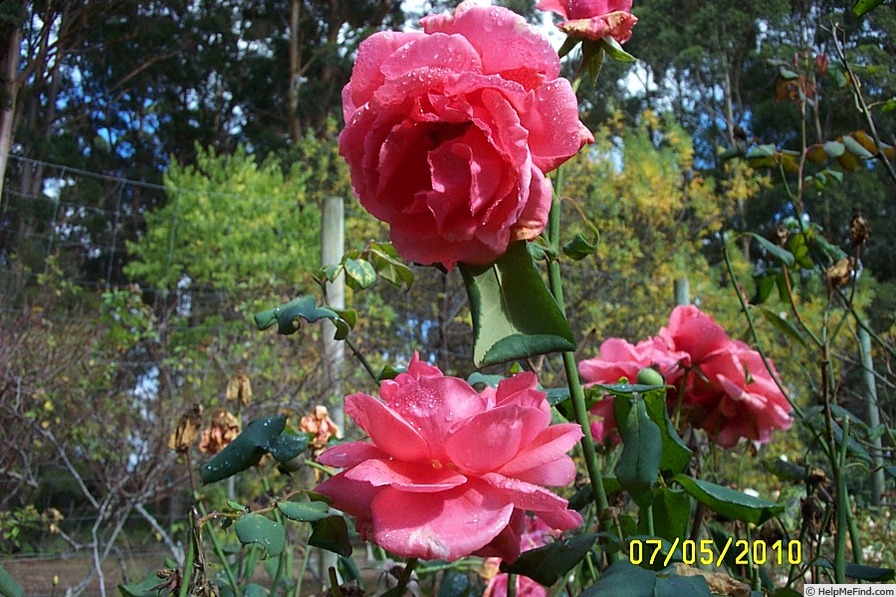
{"x":216,"y":543}
{"x":592,"y":461}
{"x":405,"y":576}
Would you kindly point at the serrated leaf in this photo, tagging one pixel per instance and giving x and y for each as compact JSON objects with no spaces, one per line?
{"x":860,"y":572}
{"x":782,"y":325}
{"x":392,"y":271}
{"x":359,"y":273}
{"x":671,"y":513}
{"x":331,"y":533}
{"x":287,"y":316}
{"x":304,"y":511}
{"x":236,"y":506}
{"x":799,"y":249}
{"x":478,"y":378}
{"x":259,"y":437}
{"x":262,"y":531}
{"x":729,"y":502}
{"x":514,"y":314}
{"x":255,"y":590}
{"x":245,"y":451}
{"x":389,"y":372}
{"x":642,"y":450}
{"x":675,"y":453}
{"x":765,"y":283}
{"x":547,"y":564}
{"x":782,"y":255}
{"x":579,"y":248}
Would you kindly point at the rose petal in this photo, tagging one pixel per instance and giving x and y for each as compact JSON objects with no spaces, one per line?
{"x":386,"y":428}
{"x":506,"y":43}
{"x":555,"y":131}
{"x":527,"y":496}
{"x":366,"y":74}
{"x":406,"y":476}
{"x":447,"y":525}
{"x":490,"y":439}
{"x":349,"y":454}
{"x":352,"y":497}
{"x":549,"y":447}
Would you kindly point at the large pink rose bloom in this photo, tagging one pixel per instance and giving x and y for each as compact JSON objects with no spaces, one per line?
{"x":448,"y":471}
{"x":729,"y":392}
{"x":594,"y":19}
{"x":449,"y":133}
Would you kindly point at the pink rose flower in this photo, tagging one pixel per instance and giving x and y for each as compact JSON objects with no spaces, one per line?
{"x":449,"y":133}
{"x":695,"y":333}
{"x":732,"y":395}
{"x":724,"y":386}
{"x":729,"y":392}
{"x":620,"y":359}
{"x":449,"y":472}
{"x":593,"y":19}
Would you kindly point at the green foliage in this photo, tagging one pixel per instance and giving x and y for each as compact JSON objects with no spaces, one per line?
{"x":259,"y":530}
{"x":728,"y":502}
{"x":514,"y":314}
{"x":286,"y":317}
{"x":260,"y":437}
{"x":230,"y":223}
{"x":548,"y":564}
{"x":624,"y":579}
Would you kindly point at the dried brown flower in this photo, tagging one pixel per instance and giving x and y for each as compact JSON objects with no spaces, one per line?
{"x":187,"y":429}
{"x":223,"y":429}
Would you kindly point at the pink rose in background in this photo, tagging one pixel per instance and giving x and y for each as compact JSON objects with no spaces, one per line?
{"x":449,"y":472}
{"x":729,"y":392}
{"x":593,"y":19}
{"x":732,"y":395}
{"x":725,"y":387}
{"x":620,"y":359}
{"x":449,"y":133}
{"x":695,"y":333}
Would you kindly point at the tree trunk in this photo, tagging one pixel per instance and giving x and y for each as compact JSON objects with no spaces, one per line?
{"x":295,"y":70}
{"x":10,"y":94}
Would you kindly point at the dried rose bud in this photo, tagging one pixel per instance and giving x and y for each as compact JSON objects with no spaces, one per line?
{"x":858,"y":230}
{"x":839,"y":273}
{"x":187,"y":429}
{"x":239,"y":388}
{"x":782,"y":234}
